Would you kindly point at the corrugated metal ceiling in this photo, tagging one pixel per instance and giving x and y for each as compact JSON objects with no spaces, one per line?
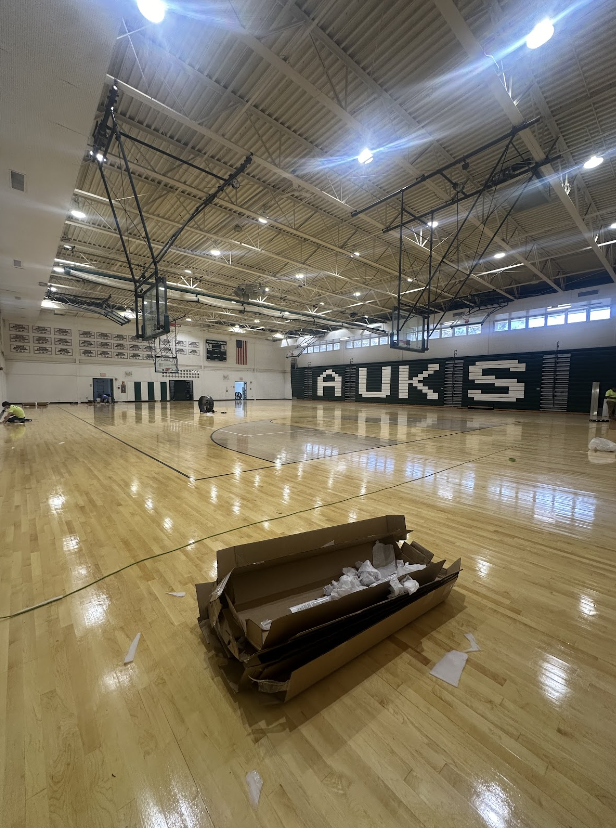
{"x":305,"y":87}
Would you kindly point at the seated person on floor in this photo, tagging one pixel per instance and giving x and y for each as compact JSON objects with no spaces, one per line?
{"x":13,"y":413}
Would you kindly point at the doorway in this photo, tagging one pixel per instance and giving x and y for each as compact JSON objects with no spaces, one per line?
{"x":240,"y":391}
{"x":102,"y":386}
{"x":180,"y":390}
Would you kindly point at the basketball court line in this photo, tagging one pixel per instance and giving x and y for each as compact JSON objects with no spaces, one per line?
{"x":272,"y":464}
{"x":248,"y":525}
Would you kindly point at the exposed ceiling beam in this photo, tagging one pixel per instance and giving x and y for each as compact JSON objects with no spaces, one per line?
{"x":258,"y":275}
{"x":351,"y":121}
{"x":473,"y":48}
{"x":171,"y":113}
{"x":90,"y":274}
{"x":150,"y":176}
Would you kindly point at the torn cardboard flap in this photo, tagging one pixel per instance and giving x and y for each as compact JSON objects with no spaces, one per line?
{"x":273,"y":548}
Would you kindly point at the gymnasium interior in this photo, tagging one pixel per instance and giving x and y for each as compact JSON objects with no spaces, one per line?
{"x":206,"y":209}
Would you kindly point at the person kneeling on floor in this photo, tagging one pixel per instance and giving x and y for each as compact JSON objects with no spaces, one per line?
{"x":13,"y":413}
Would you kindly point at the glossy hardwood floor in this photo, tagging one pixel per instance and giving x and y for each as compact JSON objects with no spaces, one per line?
{"x":526,"y":740}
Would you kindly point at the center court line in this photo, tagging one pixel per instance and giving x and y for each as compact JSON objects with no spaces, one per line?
{"x":248,"y":525}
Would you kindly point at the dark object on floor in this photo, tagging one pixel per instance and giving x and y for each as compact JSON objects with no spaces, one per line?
{"x":206,"y":405}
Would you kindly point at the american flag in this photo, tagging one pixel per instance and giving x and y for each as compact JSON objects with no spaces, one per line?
{"x":241,"y":352}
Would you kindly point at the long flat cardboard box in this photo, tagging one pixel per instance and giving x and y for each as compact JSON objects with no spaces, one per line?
{"x":269,"y":578}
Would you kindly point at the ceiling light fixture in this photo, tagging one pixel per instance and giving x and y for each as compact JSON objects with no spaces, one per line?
{"x":188,"y":271}
{"x":593,"y":161}
{"x":433,"y":224}
{"x":613,"y":226}
{"x":53,"y":289}
{"x":542,"y":32}
{"x":152,"y":10}
{"x":262,"y":220}
{"x":215,"y":252}
{"x":58,"y":270}
{"x":356,"y":253}
{"x":357,"y":293}
{"x":299,"y":275}
{"x":321,"y":303}
{"x":499,"y":255}
{"x":188,"y":319}
{"x":365,"y":156}
{"x":67,"y":246}
{"x":267,"y":290}
{"x":78,"y":214}
{"x":257,"y":320}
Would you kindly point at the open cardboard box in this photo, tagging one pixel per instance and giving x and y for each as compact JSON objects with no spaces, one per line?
{"x":274,"y":579}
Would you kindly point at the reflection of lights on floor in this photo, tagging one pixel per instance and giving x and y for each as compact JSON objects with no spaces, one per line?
{"x":95,"y":609}
{"x":493,"y":804}
{"x":483,"y":568}
{"x":587,"y":605}
{"x":149,"y":504}
{"x":70,"y":543}
{"x":56,"y":502}
{"x":285,"y":494}
{"x":236,"y":507}
{"x":352,"y":517}
{"x":213,"y":494}
{"x":168,"y":524}
{"x":134,"y":487}
{"x":554,"y":678}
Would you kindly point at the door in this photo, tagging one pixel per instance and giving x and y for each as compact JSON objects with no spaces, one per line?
{"x":151,"y":396}
{"x":163,"y":392}
{"x":240,"y":391}
{"x":180,"y":390}
{"x":137,"y":391}
{"x":102,"y":386}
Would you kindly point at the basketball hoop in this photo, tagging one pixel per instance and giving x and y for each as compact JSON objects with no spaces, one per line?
{"x":165,"y":364}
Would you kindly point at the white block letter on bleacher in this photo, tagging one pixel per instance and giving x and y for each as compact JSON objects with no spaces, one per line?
{"x":416,"y":382}
{"x":385,"y":383}
{"x":329,"y":379}
{"x":515,"y":388}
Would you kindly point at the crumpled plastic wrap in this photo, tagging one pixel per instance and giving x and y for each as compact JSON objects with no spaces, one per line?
{"x":368,"y":574}
{"x":403,"y":568}
{"x":345,"y":585}
{"x":384,"y":559}
{"x":365,"y":574}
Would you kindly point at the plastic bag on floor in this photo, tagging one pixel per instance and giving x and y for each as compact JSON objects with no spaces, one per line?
{"x":601,"y":444}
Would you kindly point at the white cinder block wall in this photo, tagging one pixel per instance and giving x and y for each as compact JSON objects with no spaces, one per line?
{"x":30,"y":378}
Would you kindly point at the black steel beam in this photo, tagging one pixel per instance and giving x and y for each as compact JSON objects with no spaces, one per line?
{"x":170,"y":155}
{"x":458,"y":161}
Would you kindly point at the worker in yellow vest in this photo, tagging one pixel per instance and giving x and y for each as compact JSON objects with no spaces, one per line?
{"x":13,"y":413}
{"x":610,"y":399}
